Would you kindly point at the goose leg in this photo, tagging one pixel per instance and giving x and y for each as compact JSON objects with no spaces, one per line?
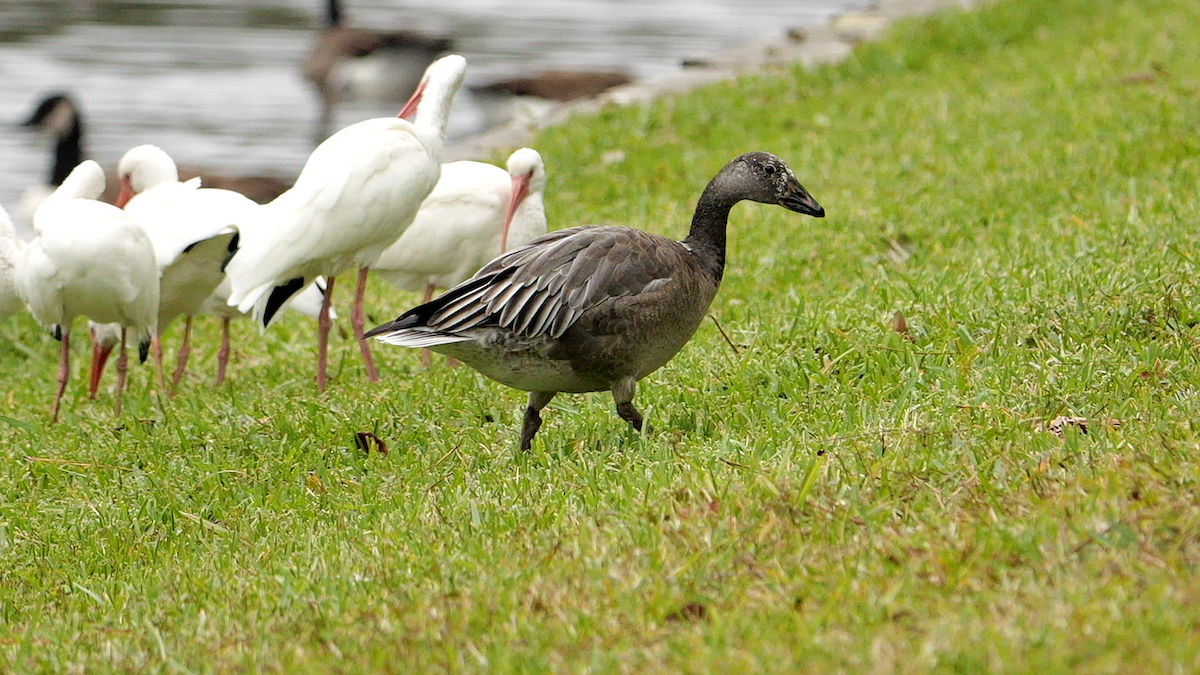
{"x":223,"y":352}
{"x":64,"y":371}
{"x":122,"y":366}
{"x":326,"y":119}
{"x":185,"y":350}
{"x":323,"y":326}
{"x":533,"y":421}
{"x":357,"y":320}
{"x":622,"y":393}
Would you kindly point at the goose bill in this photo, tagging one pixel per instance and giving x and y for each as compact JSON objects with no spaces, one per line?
{"x":797,"y":199}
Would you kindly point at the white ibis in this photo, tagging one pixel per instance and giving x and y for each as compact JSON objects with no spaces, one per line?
{"x":89,"y":258}
{"x":193,"y":235}
{"x":594,"y":308}
{"x":476,"y":212}
{"x":358,"y":192}
{"x":11,"y":248}
{"x":358,"y":63}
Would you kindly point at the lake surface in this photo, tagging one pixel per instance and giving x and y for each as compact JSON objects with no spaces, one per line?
{"x":217,"y":83}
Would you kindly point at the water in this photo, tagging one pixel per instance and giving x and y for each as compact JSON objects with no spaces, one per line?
{"x":217,"y":83}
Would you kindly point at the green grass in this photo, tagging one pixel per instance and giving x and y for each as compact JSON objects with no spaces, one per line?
{"x":1020,"y":183}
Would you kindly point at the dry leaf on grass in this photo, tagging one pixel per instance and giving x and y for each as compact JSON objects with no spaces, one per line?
{"x":693,"y":611}
{"x":365,"y":439}
{"x":900,"y":325}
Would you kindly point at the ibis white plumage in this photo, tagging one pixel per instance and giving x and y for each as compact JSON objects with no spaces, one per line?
{"x":193,"y":232}
{"x":11,"y":247}
{"x":358,"y":192}
{"x":89,"y":258}
{"x":476,"y":212}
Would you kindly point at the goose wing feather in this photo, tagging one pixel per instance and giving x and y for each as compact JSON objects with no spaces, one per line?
{"x":543,"y":287}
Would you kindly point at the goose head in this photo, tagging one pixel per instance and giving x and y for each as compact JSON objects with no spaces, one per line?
{"x":55,"y":115}
{"x":528,"y":174}
{"x":141,"y":168}
{"x":429,"y":105}
{"x":58,"y":117}
{"x":763,"y":177}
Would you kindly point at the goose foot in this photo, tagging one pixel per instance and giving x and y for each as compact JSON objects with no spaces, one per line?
{"x":631,"y":415}
{"x":622,"y":393}
{"x":533,"y":420}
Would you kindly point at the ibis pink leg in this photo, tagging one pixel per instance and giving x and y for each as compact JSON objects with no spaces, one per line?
{"x":323,"y":326}
{"x":185,"y":350}
{"x":426,"y":355}
{"x":357,"y":320}
{"x":64,"y":371}
{"x":122,"y":367}
{"x":223,"y":352}
{"x":156,"y":349}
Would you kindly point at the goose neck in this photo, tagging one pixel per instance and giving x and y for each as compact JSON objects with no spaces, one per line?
{"x":333,"y":13}
{"x":706,"y":238}
{"x":68,"y":153}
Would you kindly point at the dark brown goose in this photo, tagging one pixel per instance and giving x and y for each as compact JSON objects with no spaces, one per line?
{"x":358,"y":63}
{"x":59,"y":117}
{"x":594,"y":308}
{"x":557,"y":85}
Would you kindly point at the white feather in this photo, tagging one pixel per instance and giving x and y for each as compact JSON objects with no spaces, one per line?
{"x":458,"y":228}
{"x":11,"y":248}
{"x":358,"y":192}
{"x":89,"y":258}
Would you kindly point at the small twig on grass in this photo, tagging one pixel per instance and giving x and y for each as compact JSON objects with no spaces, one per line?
{"x":913,"y":351}
{"x":441,"y":459}
{"x":723,"y":334}
{"x":206,"y":523}
{"x":71,"y":462}
{"x":438,"y":463}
